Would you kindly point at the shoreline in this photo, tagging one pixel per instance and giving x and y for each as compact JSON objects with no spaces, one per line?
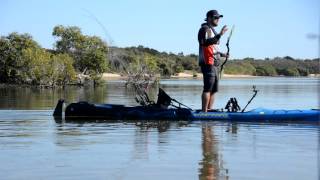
{"x":190,"y":75}
{"x":183,"y":76}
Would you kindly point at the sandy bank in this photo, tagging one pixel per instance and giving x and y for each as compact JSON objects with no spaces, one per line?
{"x":187,"y":75}
{"x":106,"y":76}
{"x":190,"y":75}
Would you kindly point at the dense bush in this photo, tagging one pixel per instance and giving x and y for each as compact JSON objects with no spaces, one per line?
{"x":266,"y":70}
{"x":240,"y":67}
{"x":23,"y":61}
{"x":11,"y":62}
{"x":44,"y":68}
{"x":88,"y":52}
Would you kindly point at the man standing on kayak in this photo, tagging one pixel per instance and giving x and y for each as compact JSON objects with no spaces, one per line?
{"x":209,"y":57}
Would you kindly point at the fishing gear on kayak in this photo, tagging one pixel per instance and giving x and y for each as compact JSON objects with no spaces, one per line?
{"x":232,"y":105}
{"x":165,"y":100}
{"x":255,"y":92}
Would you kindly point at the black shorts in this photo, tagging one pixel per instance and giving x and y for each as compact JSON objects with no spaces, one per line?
{"x":210,"y":78}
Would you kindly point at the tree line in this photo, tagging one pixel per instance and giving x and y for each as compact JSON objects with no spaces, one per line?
{"x":24,"y":61}
{"x":168,"y":64}
{"x":75,"y":55}
{"x":278,"y":66}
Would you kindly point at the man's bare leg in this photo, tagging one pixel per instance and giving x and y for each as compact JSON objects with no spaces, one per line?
{"x":205,"y":101}
{"x":211,"y":101}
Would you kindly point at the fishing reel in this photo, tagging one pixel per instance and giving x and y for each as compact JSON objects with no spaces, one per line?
{"x":254,"y":89}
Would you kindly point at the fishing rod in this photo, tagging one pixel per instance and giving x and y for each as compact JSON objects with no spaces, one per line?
{"x":108,"y":38}
{"x":180,"y":104}
{"x":255,"y":92}
{"x":141,"y":96}
{"x":228,"y":50}
{"x":95,"y":18}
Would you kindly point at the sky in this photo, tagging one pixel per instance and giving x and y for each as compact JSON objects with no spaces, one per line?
{"x":268,"y":28}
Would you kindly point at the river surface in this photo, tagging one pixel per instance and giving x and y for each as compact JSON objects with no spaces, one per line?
{"x":33,"y":146}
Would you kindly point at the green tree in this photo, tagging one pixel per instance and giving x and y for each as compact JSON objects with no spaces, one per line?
{"x":240,"y":67}
{"x":11,"y":61}
{"x":178,"y":68}
{"x":46,"y":69}
{"x":289,"y":72}
{"x":165,"y":70}
{"x":36,"y":63}
{"x":293,"y":72}
{"x":89,"y":52}
{"x":61,"y":68}
{"x":151,"y":62}
{"x":266,"y":70}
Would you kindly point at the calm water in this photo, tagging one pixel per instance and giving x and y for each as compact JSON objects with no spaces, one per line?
{"x":33,"y":146}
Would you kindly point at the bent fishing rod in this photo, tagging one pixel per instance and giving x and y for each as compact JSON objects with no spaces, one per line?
{"x":228,"y":51}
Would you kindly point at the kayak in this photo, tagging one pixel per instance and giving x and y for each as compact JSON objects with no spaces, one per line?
{"x":91,"y":112}
{"x":263,"y":115}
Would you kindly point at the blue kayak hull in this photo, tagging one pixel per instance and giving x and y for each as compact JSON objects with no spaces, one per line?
{"x":86,"y":111}
{"x":261,"y":115}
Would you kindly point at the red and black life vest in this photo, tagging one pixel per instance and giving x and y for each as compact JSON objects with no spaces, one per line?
{"x":208,"y":45}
